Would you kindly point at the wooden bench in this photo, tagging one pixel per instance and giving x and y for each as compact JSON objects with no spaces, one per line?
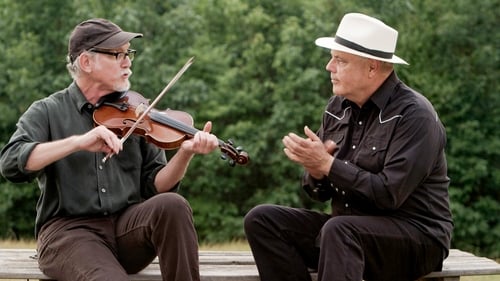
{"x":237,"y":266}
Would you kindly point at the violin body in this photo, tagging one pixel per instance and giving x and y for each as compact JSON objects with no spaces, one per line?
{"x":119,"y":116}
{"x":166,"y":129}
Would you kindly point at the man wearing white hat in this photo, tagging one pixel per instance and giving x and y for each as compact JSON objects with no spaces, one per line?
{"x":379,"y":157}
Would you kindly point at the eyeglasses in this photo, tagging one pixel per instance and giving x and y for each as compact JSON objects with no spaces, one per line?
{"x":120,"y":56}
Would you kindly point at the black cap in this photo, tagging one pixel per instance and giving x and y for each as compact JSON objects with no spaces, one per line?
{"x":97,"y":33}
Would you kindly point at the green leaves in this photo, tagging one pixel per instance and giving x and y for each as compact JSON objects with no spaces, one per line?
{"x":257,"y":76}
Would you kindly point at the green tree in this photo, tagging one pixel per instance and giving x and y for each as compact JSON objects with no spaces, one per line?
{"x":455,"y":63}
{"x":258,"y":75}
{"x":29,"y":59}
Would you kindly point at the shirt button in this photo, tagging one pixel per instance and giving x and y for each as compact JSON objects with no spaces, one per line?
{"x":346,"y":205}
{"x":353,"y":147}
{"x":336,"y":189}
{"x":360,"y":123}
{"x":343,"y":192}
{"x":103,"y":190}
{"x":100,"y":167}
{"x":374,"y":148}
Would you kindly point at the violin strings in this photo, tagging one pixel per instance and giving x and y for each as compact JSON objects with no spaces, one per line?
{"x":164,"y":119}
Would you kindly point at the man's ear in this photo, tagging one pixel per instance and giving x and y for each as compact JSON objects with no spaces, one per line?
{"x":85,"y":62}
{"x":373,"y":67}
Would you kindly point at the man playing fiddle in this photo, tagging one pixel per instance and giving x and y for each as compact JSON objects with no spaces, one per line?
{"x":95,"y":220}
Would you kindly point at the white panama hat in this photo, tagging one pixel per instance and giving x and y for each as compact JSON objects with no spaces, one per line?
{"x":364,"y":36}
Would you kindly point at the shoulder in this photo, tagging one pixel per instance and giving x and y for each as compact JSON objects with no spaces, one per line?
{"x":418,"y":114}
{"x":52,"y":102}
{"x":411,"y":103}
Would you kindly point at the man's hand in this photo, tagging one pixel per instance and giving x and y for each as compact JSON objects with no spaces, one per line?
{"x":100,"y":139}
{"x":203,"y":142}
{"x":314,"y":155}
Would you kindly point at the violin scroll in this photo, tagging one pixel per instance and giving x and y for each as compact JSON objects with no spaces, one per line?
{"x":236,"y":155}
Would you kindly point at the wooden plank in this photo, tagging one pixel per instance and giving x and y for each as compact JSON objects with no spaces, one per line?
{"x":214,"y":266}
{"x":238,"y":265}
{"x":460,"y":263}
{"x":226,"y":257}
{"x":208,"y":272}
{"x":17,"y":264}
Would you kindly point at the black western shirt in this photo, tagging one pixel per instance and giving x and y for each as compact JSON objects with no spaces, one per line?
{"x":391,"y":160}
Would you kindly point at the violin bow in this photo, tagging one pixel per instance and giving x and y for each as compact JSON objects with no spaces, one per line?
{"x":151,"y":106}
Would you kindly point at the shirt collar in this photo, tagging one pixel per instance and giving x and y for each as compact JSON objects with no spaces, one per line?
{"x":383,"y":94}
{"x":78,"y":98}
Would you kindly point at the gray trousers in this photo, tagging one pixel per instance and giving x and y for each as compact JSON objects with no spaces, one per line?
{"x":287,"y":242}
{"x":108,"y":248}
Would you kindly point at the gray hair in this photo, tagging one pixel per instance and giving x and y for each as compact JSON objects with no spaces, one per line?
{"x":74,"y":67}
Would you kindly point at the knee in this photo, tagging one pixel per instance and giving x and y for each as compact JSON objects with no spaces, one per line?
{"x":171,"y":203}
{"x":255,"y":217}
{"x":336,"y":229}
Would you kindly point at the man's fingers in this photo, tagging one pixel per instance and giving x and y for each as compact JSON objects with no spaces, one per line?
{"x":330,"y":146}
{"x":110,"y":139}
{"x":310,"y":134}
{"x":208,"y":127}
{"x":290,"y":141}
{"x":290,"y":155}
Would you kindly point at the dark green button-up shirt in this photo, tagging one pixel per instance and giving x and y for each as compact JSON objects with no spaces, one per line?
{"x":79,"y":184}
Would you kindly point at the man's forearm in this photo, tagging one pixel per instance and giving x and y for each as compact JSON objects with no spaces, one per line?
{"x":47,"y":153}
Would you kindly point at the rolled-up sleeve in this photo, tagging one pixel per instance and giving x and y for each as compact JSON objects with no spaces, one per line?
{"x":14,"y":155}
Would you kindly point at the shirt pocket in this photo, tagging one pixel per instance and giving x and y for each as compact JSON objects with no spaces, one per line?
{"x":372,"y":153}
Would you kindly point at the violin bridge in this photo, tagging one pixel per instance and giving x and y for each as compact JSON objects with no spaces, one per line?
{"x":140,"y":109}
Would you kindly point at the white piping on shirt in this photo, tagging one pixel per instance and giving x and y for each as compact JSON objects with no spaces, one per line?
{"x":389,"y":119}
{"x":379,"y":116}
{"x":335,"y":116}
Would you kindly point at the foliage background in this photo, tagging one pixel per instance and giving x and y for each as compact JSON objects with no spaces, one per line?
{"x":258,"y":75}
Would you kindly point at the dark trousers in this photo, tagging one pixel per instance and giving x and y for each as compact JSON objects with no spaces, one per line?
{"x":107,"y":248}
{"x":287,"y":241}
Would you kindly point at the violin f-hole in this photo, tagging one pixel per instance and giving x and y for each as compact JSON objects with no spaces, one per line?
{"x":146,"y":126}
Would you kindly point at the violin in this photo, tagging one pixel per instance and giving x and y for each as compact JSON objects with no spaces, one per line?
{"x":166,"y":129}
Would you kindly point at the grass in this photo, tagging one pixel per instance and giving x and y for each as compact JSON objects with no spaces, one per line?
{"x":230,"y":246}
{"x":481,"y":278}
{"x":17,"y":244}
